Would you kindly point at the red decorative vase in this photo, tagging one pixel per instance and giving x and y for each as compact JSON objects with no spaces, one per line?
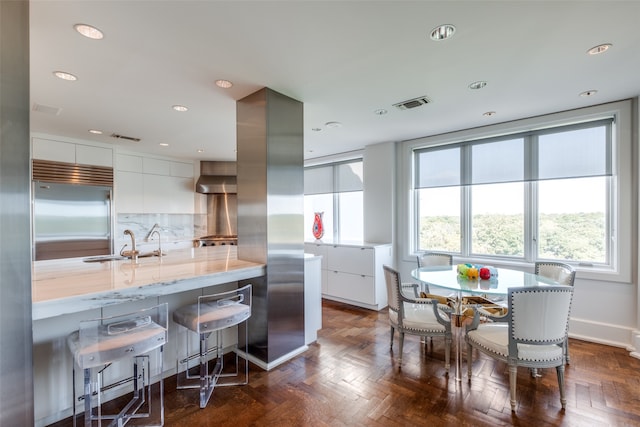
{"x":318,"y":227}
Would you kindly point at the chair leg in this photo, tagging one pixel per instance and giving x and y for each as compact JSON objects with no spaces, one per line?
{"x":513,"y":375}
{"x":560,"y":372}
{"x":447,"y":353}
{"x":400,"y":345}
{"x":469,"y":360}
{"x":391,"y":342}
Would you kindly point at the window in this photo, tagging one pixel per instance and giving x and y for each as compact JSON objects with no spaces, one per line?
{"x":543,"y":194}
{"x":334,"y":190}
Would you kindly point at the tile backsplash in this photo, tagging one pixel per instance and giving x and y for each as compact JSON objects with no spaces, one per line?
{"x":176,"y":230}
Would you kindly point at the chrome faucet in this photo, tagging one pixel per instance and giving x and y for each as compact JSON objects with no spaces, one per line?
{"x":155,"y":227}
{"x":133,"y":253}
{"x":157,"y":232}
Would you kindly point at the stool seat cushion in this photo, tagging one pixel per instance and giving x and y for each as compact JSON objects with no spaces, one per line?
{"x":106,"y":344}
{"x":213,"y":315}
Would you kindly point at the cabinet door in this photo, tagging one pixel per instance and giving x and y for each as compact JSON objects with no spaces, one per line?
{"x":156,"y":166}
{"x":320,"y":250}
{"x":184,"y":170}
{"x":128,"y":192}
{"x":168,"y":194}
{"x":98,"y":156}
{"x":126,"y":162}
{"x":56,"y":151}
{"x":350,"y":259}
{"x":355,"y":287}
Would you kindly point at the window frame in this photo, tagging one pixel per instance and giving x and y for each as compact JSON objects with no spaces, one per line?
{"x":622,"y":197}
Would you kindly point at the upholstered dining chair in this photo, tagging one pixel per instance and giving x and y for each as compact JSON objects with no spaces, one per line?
{"x":531,"y":334}
{"x":434,"y":258}
{"x":426,"y":259}
{"x":423,"y":317}
{"x":562,"y":273}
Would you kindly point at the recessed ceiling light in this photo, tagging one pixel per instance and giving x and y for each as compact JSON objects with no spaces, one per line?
{"x":333,"y":125}
{"x":589,"y":92}
{"x":89,"y":31}
{"x":380,"y":112}
{"x":95,"y":131}
{"x":65,"y":76}
{"x":442,"y":32}
{"x":224,"y":84}
{"x":316,"y":129}
{"x":601,"y":48}
{"x":489,"y":113}
{"x":200,"y":150}
{"x":180,"y":108}
{"x":163,"y":144}
{"x":477,"y":85}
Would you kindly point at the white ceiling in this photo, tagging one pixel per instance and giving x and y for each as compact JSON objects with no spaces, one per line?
{"x":342,"y":59}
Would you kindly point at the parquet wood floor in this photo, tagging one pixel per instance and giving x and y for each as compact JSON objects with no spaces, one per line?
{"x":349,"y":378}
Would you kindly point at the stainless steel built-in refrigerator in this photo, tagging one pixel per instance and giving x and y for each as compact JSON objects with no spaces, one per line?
{"x":71,"y":220}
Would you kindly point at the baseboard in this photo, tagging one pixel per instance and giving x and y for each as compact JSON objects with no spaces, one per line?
{"x":270,"y":365}
{"x":605,"y":333}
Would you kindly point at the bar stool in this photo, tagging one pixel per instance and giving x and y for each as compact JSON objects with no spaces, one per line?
{"x":212,"y":313}
{"x":102,"y":343}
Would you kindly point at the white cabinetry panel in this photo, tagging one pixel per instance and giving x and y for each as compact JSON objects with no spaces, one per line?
{"x":184,"y":170}
{"x":319,"y":250}
{"x":156,"y":166}
{"x":125,"y":162}
{"x":128,"y":192}
{"x":352,"y":259}
{"x":354,"y":287}
{"x":354,"y":273}
{"x":147,"y":185}
{"x":68,"y":152}
{"x":88,"y":155}
{"x":56,"y":151}
{"x":168,"y":194}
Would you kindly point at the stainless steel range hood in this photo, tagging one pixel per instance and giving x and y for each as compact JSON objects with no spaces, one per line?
{"x":217,"y":178}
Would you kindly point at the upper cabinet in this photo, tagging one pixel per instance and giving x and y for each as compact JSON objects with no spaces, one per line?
{"x":58,"y":151}
{"x":148,"y":185}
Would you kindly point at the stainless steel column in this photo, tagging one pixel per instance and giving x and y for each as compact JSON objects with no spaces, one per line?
{"x":16,"y":374}
{"x":270,"y":218}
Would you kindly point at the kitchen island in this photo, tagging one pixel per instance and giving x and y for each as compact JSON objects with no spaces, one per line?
{"x":66,"y":291}
{"x":66,"y":286}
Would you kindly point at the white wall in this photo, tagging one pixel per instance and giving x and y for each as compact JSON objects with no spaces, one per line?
{"x":379,"y":192}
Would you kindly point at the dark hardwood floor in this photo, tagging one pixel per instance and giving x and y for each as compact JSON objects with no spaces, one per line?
{"x":349,"y":378}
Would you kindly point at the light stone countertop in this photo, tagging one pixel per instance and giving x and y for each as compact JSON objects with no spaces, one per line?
{"x":70,"y":285}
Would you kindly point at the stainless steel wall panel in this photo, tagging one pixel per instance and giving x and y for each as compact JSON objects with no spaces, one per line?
{"x":270,"y":217}
{"x":16,"y":374}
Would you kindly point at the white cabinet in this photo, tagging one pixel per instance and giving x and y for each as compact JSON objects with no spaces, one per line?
{"x":354,"y":273}
{"x":68,"y":152}
{"x":147,"y":185}
{"x":321,"y":251}
{"x":312,"y":297}
{"x":128,"y":191}
{"x":98,"y":156}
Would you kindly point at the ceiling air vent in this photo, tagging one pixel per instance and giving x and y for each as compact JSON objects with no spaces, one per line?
{"x":412,"y":103}
{"x":46,"y":109}
{"x":128,"y":138}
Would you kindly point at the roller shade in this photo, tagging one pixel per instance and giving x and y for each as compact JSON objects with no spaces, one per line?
{"x":570,"y":152}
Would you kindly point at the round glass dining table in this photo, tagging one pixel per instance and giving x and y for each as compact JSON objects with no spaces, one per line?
{"x":447,"y":277}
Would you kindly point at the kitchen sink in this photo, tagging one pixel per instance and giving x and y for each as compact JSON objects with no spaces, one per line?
{"x":103,"y":258}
